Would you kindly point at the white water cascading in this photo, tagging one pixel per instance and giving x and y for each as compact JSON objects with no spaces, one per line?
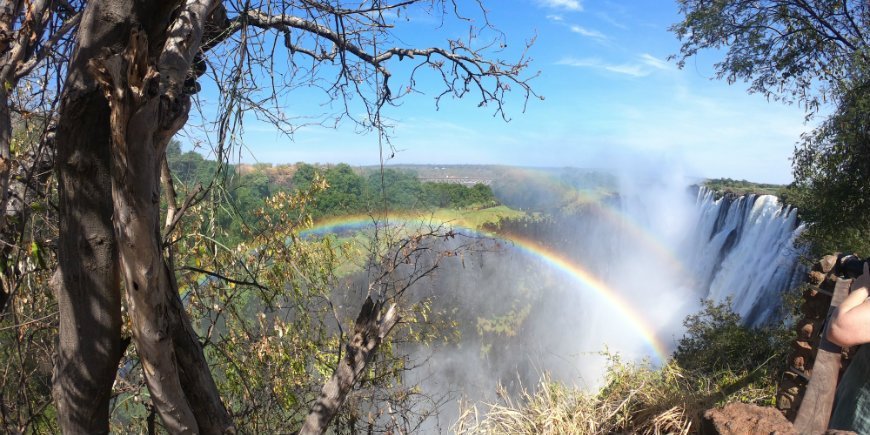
{"x":743,"y":248}
{"x":628,"y":270}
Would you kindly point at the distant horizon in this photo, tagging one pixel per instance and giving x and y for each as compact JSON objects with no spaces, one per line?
{"x":612,"y":97}
{"x":612,"y":171}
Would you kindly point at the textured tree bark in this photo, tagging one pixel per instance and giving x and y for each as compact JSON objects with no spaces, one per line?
{"x":86,"y":283}
{"x":370,"y":328}
{"x":130,"y":85}
{"x":9,"y":10}
{"x":87,"y":280}
{"x":148,"y":107}
{"x":5,"y":172}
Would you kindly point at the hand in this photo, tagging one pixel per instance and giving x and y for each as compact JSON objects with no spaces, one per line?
{"x":862,"y":283}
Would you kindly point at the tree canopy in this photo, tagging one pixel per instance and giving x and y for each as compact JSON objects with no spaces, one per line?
{"x":814,"y":53}
{"x":805,"y":51}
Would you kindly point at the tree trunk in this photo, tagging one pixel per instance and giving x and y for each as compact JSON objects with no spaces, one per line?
{"x":86,"y":283}
{"x":27,"y":186}
{"x":18,"y":47}
{"x":371,"y":326}
{"x":148,"y":107}
{"x":5,"y":171}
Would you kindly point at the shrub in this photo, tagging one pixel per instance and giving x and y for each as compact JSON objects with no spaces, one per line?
{"x":718,"y":360}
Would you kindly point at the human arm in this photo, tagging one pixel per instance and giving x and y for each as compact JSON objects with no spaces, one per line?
{"x":850,"y":323}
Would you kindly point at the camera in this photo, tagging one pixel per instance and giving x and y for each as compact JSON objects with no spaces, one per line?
{"x":850,"y":266}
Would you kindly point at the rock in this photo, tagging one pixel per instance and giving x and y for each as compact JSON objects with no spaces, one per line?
{"x":827,"y":263}
{"x":784,"y":402}
{"x":816,"y":308}
{"x":798,"y":363}
{"x":806,"y":327}
{"x":815,"y":277}
{"x":801,"y":348}
{"x":742,"y":419}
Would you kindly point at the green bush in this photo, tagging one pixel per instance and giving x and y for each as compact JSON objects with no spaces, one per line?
{"x":716,"y":341}
{"x":718,"y":360}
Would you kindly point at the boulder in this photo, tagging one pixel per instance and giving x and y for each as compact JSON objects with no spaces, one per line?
{"x":827,"y":263}
{"x":742,"y":419}
{"x":808,"y":328}
{"x":815,"y":277}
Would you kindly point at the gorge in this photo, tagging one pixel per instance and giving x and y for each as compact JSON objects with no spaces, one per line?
{"x":561,"y":295}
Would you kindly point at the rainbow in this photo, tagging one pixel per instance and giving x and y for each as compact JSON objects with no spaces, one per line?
{"x":612,"y":214}
{"x":641,"y":235}
{"x":360,"y":221}
{"x":554,"y":259}
{"x":628,"y":312}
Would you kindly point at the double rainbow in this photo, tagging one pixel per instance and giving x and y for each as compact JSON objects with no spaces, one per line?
{"x":557,"y":261}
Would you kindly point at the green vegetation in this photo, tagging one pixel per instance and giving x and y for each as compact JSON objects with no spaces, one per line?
{"x":350,"y":192}
{"x":832,"y":178}
{"x":553,"y":190}
{"x":347,"y":191}
{"x":805,"y":52}
{"x":722,"y":186}
{"x":478,"y":218}
{"x":717,"y":361}
{"x":716,"y":342}
{"x":282,"y":298}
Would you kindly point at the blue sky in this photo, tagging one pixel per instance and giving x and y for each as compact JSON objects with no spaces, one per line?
{"x":611,"y":100}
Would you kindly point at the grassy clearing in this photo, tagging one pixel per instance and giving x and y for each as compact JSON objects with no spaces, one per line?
{"x":475,"y":219}
{"x":359,"y":242}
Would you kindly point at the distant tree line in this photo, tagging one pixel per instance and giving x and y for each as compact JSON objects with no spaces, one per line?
{"x":742,"y":187}
{"x":352,"y":192}
{"x":349,"y":192}
{"x":553,"y":190}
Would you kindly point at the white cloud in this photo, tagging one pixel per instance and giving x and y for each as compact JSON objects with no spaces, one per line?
{"x":610,"y":20}
{"x":571,"y":5}
{"x":554,"y":17}
{"x":634,"y":70}
{"x":645,"y":65}
{"x":654,"y":62}
{"x":588,"y":32}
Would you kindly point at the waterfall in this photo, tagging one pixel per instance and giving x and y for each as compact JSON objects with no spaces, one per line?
{"x":743,"y":247}
{"x":620,"y":275}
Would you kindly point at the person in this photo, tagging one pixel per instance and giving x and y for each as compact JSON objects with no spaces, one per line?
{"x":850,"y":326}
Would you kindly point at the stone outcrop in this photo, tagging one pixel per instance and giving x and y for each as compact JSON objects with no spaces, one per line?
{"x":742,"y":419}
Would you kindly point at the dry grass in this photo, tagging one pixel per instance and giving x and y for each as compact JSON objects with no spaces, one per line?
{"x":635,"y":399}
